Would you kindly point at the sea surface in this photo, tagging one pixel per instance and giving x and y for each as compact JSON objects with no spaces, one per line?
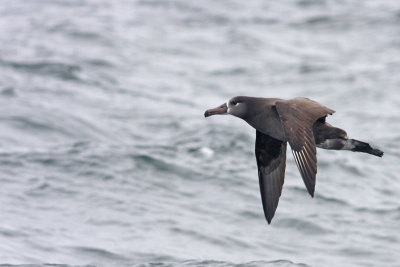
{"x":106,"y":158}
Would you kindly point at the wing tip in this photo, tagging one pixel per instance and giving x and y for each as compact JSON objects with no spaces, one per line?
{"x":311,"y":191}
{"x":269,"y":216}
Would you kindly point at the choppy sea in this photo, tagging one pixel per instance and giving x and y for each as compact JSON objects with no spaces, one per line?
{"x":106,"y":158}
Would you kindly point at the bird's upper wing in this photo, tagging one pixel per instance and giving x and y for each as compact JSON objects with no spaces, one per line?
{"x":298,"y":117}
{"x":271,"y":162}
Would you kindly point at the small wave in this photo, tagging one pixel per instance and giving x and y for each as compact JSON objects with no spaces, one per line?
{"x":100,"y":253}
{"x":309,"y":3}
{"x":46,"y":189}
{"x":198,"y":235}
{"x":319,"y":20}
{"x":259,"y":21}
{"x":302,"y":226}
{"x":331,"y":200}
{"x":309,"y":68}
{"x":44,"y":265}
{"x":85,"y":35}
{"x":162,"y":165}
{"x":56,"y":69}
{"x":99,"y":63}
{"x":350,"y":167}
{"x":378,"y":211}
{"x":12,"y":233}
{"x":229,"y":72}
{"x":31,"y":123}
{"x":215,"y":263}
{"x":8,"y":91}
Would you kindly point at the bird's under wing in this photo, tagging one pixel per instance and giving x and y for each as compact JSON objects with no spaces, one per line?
{"x":298,"y":117}
{"x":271,"y":163}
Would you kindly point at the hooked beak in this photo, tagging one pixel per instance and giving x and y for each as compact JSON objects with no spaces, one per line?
{"x":223,"y":109}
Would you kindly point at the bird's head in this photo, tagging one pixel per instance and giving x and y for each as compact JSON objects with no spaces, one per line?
{"x":236,"y":106}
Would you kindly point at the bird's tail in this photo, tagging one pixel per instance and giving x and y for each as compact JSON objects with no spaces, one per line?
{"x":358,"y":146}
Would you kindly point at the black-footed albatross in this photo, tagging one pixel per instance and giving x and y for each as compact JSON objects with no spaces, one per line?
{"x":299,"y":121}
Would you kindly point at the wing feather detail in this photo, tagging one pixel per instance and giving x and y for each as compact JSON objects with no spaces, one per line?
{"x":271,"y":163}
{"x":298,"y":117}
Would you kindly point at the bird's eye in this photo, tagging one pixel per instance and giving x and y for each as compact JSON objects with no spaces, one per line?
{"x":234,"y":103}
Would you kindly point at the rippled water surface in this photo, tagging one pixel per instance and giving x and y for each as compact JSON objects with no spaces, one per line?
{"x":106,"y":158}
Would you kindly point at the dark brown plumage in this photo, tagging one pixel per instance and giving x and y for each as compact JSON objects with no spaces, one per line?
{"x":301,"y":122}
{"x":298,"y":117}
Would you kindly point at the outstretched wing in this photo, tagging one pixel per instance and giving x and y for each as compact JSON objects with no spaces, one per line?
{"x":271,"y":163}
{"x":298,"y":117}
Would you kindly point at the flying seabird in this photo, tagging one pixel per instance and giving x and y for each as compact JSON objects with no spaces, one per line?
{"x":299,"y":121}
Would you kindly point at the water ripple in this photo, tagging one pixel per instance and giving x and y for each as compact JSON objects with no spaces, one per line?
{"x":107,"y":159}
{"x":55,"y":69}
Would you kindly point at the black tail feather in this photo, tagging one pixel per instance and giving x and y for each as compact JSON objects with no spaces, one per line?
{"x":365,"y":147}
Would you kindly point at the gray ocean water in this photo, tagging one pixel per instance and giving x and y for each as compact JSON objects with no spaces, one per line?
{"x":106,"y":158}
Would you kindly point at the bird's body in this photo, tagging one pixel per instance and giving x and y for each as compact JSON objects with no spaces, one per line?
{"x":299,"y":122}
